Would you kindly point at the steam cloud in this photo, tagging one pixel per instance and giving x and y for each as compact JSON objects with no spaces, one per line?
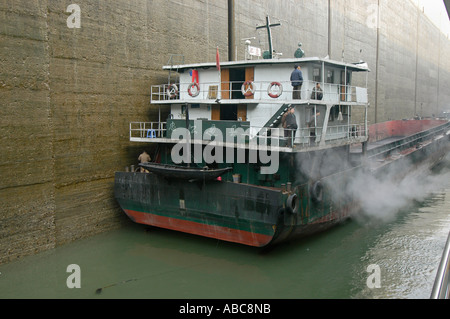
{"x":382,"y":196}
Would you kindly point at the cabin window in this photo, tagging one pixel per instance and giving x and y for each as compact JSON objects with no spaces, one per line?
{"x":316,"y":75}
{"x":330,"y":76}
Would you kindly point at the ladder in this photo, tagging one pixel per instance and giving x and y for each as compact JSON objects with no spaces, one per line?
{"x":275,"y":120}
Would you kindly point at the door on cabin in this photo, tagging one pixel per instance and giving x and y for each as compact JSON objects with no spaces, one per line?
{"x":232,"y":81}
{"x":229,"y":112}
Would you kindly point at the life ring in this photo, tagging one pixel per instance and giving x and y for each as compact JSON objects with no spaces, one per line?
{"x":248,"y":88}
{"x":172,"y":90}
{"x":195,"y":92}
{"x":317,"y":192}
{"x":292,"y":204}
{"x":280,"y":90}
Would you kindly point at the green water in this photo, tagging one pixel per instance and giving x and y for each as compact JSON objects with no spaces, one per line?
{"x":153,"y":263}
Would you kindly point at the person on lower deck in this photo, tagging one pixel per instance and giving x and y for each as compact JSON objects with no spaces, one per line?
{"x":144,"y":158}
{"x":290,"y":125}
{"x":317,"y":93}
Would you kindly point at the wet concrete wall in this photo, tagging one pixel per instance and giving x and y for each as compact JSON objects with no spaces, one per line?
{"x":68,"y":94}
{"x":67,"y":97}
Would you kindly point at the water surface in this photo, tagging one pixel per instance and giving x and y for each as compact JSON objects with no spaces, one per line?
{"x":142,"y":262}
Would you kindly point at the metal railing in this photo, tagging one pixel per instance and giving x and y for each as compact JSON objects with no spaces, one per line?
{"x":300,"y":138}
{"x":337,"y":134}
{"x":257,"y":90}
{"x":147,"y":130}
{"x":441,"y":288}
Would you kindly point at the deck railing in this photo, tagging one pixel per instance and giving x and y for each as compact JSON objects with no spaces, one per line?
{"x":147,"y":130}
{"x":257,"y":90}
{"x":441,"y":288}
{"x":300,"y":138}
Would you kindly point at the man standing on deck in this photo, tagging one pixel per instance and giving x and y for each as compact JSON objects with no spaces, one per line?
{"x":291,"y":126}
{"x":297,"y":81}
{"x":317,"y":93}
{"x":144,"y":158}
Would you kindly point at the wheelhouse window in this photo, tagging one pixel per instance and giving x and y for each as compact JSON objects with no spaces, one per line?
{"x":330,"y":76}
{"x":316,"y":75}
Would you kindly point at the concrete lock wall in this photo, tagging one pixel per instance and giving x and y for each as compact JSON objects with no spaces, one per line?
{"x":68,"y":91}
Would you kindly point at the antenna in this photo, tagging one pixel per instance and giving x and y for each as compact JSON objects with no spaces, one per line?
{"x":249,"y":50}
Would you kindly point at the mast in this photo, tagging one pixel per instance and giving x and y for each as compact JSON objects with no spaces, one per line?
{"x":268,"y":26}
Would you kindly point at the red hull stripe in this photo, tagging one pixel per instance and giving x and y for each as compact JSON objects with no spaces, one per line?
{"x":211,"y":231}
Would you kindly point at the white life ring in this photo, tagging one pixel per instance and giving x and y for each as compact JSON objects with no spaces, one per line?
{"x":248,"y":88}
{"x":276,"y":94}
{"x":172,"y":90}
{"x":195,"y":92}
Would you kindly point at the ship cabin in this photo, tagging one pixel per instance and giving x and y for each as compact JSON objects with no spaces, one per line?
{"x":254,"y":95}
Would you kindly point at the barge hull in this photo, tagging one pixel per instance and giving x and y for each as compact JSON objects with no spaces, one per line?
{"x":226,"y":211}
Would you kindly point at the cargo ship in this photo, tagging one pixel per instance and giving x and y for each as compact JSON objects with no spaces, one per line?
{"x":228,"y":167}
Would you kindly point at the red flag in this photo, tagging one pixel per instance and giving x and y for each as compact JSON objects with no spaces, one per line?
{"x":195,"y":76}
{"x":217,"y":59}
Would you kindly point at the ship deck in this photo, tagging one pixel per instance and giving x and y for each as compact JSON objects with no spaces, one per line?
{"x":357,"y":149}
{"x":388,"y":135}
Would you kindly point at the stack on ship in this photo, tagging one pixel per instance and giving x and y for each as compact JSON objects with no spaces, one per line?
{"x":226,"y":168}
